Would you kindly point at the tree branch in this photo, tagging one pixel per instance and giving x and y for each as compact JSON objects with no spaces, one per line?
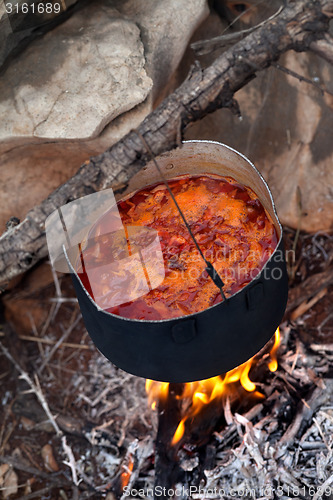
{"x":303,"y":23}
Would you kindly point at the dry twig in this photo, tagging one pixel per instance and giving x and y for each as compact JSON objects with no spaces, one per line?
{"x":35,"y":388}
{"x":71,"y":460}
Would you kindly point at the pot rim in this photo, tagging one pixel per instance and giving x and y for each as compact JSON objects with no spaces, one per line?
{"x":172,"y":320}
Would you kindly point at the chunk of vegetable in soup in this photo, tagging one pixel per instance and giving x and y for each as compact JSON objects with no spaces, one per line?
{"x":229,"y":223}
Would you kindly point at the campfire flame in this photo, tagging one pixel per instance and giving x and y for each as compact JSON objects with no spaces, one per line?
{"x":126,"y":474}
{"x":203,"y":392}
{"x":273,"y":364}
{"x":156,"y":391}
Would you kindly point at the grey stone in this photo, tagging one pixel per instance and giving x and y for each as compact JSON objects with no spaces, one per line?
{"x":76,"y":79}
{"x":166,"y":28}
{"x":30,"y":172}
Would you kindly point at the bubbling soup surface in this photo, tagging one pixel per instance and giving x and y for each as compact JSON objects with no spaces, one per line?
{"x":229,"y":223}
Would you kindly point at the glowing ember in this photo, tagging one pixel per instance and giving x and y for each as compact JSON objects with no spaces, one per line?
{"x":197,"y":395}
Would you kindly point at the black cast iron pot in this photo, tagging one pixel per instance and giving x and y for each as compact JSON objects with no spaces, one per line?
{"x":218,"y":339}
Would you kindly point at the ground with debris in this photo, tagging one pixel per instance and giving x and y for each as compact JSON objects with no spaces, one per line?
{"x":74,"y":426}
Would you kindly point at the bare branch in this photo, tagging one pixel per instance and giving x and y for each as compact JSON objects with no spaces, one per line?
{"x":302,"y":78}
{"x":35,"y":388}
{"x":71,"y":460}
{"x":202,"y":47}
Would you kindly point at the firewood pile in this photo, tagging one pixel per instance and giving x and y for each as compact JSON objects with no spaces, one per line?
{"x":75,"y":426}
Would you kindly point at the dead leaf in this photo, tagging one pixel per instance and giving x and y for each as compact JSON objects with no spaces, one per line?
{"x":3,"y":470}
{"x":49,"y":460}
{"x":10,"y":484}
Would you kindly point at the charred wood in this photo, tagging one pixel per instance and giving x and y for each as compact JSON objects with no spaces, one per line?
{"x":167,"y":470}
{"x":306,"y":410}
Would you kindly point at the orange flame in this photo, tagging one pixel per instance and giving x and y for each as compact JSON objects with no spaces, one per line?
{"x":156,"y":391}
{"x":273,"y":364}
{"x":203,"y":392}
{"x":126,"y":474}
{"x":179,"y":432}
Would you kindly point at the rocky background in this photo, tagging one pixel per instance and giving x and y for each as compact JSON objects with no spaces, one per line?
{"x":78,"y":88}
{"x":75,"y":84}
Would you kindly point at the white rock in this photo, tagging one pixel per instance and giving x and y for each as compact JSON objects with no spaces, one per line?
{"x":166,"y":27}
{"x":71,"y":82}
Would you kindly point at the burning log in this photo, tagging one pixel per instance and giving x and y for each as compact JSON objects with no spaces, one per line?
{"x":189,"y":414}
{"x":167,"y":470}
